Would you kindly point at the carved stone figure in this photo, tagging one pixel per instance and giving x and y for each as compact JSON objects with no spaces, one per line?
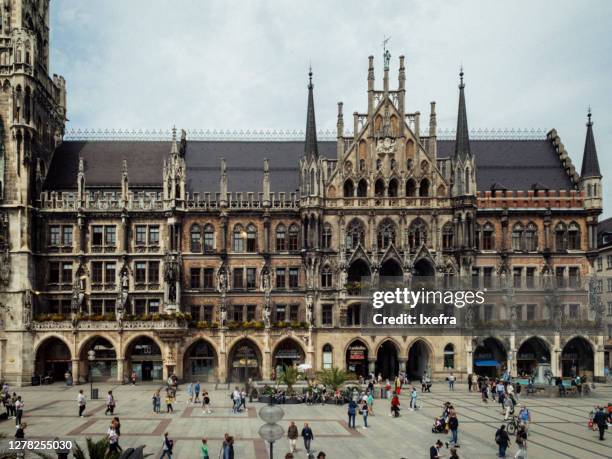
{"x":223,"y":316}
{"x":5,"y":266}
{"x":78,"y":295}
{"x":309,"y":311}
{"x":222,"y":280}
{"x":27,"y":309}
{"x":266,"y":315}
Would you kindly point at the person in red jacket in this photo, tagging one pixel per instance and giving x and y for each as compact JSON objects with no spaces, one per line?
{"x":395,"y":405}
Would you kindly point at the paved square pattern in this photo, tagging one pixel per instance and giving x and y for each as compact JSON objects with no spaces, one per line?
{"x":559,"y":427}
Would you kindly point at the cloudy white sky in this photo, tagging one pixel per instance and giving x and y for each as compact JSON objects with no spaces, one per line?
{"x":243,"y":64}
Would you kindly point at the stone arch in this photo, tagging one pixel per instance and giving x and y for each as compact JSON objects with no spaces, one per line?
{"x":53,"y":357}
{"x":284,"y":355}
{"x":420,"y":355}
{"x":424,"y":188}
{"x":410,"y":188}
{"x":145,"y":362}
{"x":490,"y":357}
{"x":245,"y":359}
{"x":348,"y":188}
{"x":379,"y":188}
{"x":356,"y":353}
{"x":578,"y":357}
{"x":104,"y":366}
{"x":204,"y":365}
{"x":362,"y":188}
{"x":392,"y":189}
{"x":387,"y":358}
{"x":533,"y":352}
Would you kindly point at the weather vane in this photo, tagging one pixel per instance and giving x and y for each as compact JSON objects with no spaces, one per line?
{"x":386,"y":53}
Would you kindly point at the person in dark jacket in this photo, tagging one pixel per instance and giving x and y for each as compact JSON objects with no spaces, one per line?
{"x":292,"y":435}
{"x":503,"y":440}
{"x":453,"y":426}
{"x":601,"y":421}
{"x":352,"y":409}
{"x":434,"y":451}
{"x":308,"y":436}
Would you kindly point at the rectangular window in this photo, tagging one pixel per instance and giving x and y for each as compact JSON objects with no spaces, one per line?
{"x":327,"y":314}
{"x":251,"y":276}
{"x":208,"y":313}
{"x":141,"y":235}
{"x":517,"y":274}
{"x":609,"y":262}
{"x":238,"y":313}
{"x":238,"y":242}
{"x":609,"y":330}
{"x":294,"y":278}
{"x":238,"y":278}
{"x":488,"y":312}
{"x":530,"y":278}
{"x":67,"y":273}
{"x":209,"y":241}
{"x":599,"y":263}
{"x":96,"y":272}
{"x":609,"y":284}
{"x":140,"y":306}
{"x":67,"y":236}
{"x":110,"y":273}
{"x":194,"y":277}
{"x":293,"y":238}
{"x":154,"y":272}
{"x":560,"y":276}
{"x":487,"y":240}
{"x":610,"y":308}
{"x":487,"y":277}
{"x":153,"y":306}
{"x":110,"y":235}
{"x":140,"y":275}
{"x":195,"y":312}
{"x":281,"y":311}
{"x":531,"y":312}
{"x":54,"y":272}
{"x":251,"y":242}
{"x":54,"y":236}
{"x":280,"y":278}
{"x":475,"y":278}
{"x":97,"y":235}
{"x":54,"y":306}
{"x":353,"y":315}
{"x":209,"y":278}
{"x":154,"y":235}
{"x":574,"y":277}
{"x":294,"y":311}
{"x":574,"y":311}
{"x":97,"y":307}
{"x":251,"y":312}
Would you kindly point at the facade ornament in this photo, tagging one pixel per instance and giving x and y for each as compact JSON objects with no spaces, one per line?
{"x":78,"y":296}
{"x":223,"y":313}
{"x":309,"y":311}
{"x":27,"y":309}
{"x":171,"y":275}
{"x":123,"y":296}
{"x":266,"y":313}
{"x":222,"y":280}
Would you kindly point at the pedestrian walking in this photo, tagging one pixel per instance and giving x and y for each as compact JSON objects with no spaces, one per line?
{"x":453,"y":426}
{"x":601,"y":421}
{"x":190,"y":391}
{"x":292,"y":435}
{"x":236,"y":399}
{"x":503,"y":441}
{"x":370,"y":402}
{"x":307,"y":435}
{"x":81,"y":402}
{"x":363,"y":408}
{"x":470,"y":381}
{"x":110,"y":403}
{"x":116,"y":425}
{"x":133,"y":378}
{"x":19,"y":405}
{"x":352,"y":408}
{"x":521,"y":443}
{"x":395,"y":405}
{"x":12,"y":402}
{"x":113,"y":440}
{"x":206,"y":403}
{"x":524,"y":417}
{"x":156,"y":402}
{"x":227,"y":448}
{"x":204,"y":449}
{"x":169,"y":400}
{"x":451,"y":381}
{"x":196,"y":391}
{"x":413,"y":399}
{"x":167,"y":445}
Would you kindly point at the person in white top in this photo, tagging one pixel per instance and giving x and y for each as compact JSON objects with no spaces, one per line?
{"x":81,"y":402}
{"x":18,"y":410}
{"x":451,"y":381}
{"x":236,"y":399}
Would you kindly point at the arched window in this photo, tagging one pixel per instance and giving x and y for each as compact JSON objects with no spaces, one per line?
{"x":209,"y":238}
{"x":392,"y":188}
{"x":467,"y":180}
{"x":517,"y":237}
{"x":313,"y":189}
{"x":488,"y":237}
{"x":379,"y":188}
{"x":238,"y":237}
{"x":362,"y":188}
{"x":449,"y":356}
{"x":573,"y":236}
{"x":531,"y":237}
{"x":326,"y":277}
{"x":349,"y":188}
{"x":589,"y":190}
{"x":195,"y":239}
{"x":361,"y":164}
{"x":326,"y":237}
{"x":355,"y":235}
{"x":386,"y":234}
{"x":424,"y":188}
{"x":560,"y":236}
{"x":328,"y":357}
{"x":417,"y":234}
{"x":251,"y":239}
{"x":281,"y":238}
{"x":410,"y":188}
{"x":294,"y":236}
{"x":448,"y":232}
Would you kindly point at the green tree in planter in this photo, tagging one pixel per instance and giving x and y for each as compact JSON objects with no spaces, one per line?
{"x":334,"y":377}
{"x":289,"y":376}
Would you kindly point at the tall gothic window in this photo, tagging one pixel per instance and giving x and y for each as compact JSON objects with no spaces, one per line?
{"x":326,"y":237}
{"x":386,"y":234}
{"x":281,"y":238}
{"x":531,"y":237}
{"x":448,"y":232}
{"x":417,"y":234}
{"x":424,"y":188}
{"x":410,"y":188}
{"x":355,"y":235}
{"x":392,"y":188}
{"x":560,"y":236}
{"x":573,"y":236}
{"x":362,"y":188}
{"x":349,"y":189}
{"x":238,"y":237}
{"x":209,"y":238}
{"x":195,"y":239}
{"x":379,"y":188}
{"x":326,"y":277}
{"x":488,"y":237}
{"x":517,"y":237}
{"x":251,"y":245}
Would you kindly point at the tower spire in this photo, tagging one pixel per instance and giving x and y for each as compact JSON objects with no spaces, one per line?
{"x":311,"y":147}
{"x":590,"y":163}
{"x":462,"y":141}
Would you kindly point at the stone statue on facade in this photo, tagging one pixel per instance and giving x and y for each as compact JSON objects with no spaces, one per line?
{"x":5,"y":266}
{"x":266,"y":313}
{"x":309,"y":311}
{"x":27,"y":309}
{"x":122,"y":296}
{"x":171,"y":275}
{"x":222,"y":280}
{"x":223,"y":316}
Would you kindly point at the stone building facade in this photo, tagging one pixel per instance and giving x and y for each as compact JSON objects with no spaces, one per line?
{"x":223,"y":260}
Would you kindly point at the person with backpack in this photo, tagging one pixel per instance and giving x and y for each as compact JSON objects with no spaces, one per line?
{"x":600,"y":420}
{"x":503,"y":440}
{"x":521,"y":443}
{"x":352,"y":408}
{"x":167,"y":445}
{"x":524,"y":417}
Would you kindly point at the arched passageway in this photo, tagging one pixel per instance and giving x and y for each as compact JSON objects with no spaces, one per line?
{"x":419,"y":358}
{"x":533,"y":359}
{"x":53,"y":359}
{"x":288,"y":353}
{"x":387,"y":362}
{"x":104,"y":365}
{"x":244,"y":361}
{"x":357,"y":358}
{"x":577,"y":358}
{"x":200,"y":362}
{"x":489,"y":358}
{"x":144,"y":358}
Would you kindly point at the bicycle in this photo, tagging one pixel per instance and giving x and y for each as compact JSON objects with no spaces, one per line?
{"x":512,"y":425}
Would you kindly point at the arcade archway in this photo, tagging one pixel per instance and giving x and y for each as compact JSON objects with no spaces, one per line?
{"x":358,"y":274}
{"x":390,"y":273}
{"x":577,"y":358}
{"x":104,"y":365}
{"x":53,"y":359}
{"x":387,"y":363}
{"x":357,"y":358}
{"x":419,"y":357}
{"x":244,"y":361}
{"x":533,"y":358}
{"x":489,"y":358}
{"x":200,"y":362}
{"x":288,"y":353}
{"x":144,"y":358}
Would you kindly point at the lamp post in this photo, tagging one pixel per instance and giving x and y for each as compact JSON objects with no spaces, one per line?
{"x":271,"y":431}
{"x":91,"y":355}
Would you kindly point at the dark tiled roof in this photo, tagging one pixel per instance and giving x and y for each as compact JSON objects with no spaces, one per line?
{"x":515,"y":164}
{"x":604,"y":227}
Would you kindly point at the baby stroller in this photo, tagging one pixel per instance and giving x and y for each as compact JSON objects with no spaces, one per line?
{"x":439,"y":426}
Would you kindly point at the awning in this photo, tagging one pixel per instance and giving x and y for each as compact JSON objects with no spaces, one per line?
{"x":487,"y":363}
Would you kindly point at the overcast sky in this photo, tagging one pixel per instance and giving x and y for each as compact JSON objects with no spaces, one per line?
{"x":243,"y":64}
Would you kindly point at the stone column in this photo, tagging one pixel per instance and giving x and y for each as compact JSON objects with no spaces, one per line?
{"x":371,"y":364}
{"x":512,"y":362}
{"x":75,"y":371}
{"x":120,"y":369}
{"x":599,"y":359}
{"x":555,"y":357}
{"x":266,"y":365}
{"x":402,"y":363}
{"x":469,"y":358}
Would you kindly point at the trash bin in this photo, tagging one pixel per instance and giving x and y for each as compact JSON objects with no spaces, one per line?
{"x":94,"y":394}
